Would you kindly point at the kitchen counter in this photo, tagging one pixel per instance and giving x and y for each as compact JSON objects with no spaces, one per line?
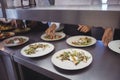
{"x":105,"y":65}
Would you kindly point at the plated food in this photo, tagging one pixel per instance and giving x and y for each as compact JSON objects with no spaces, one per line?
{"x":72,"y":59}
{"x":21,"y":30}
{"x":37,"y":49}
{"x":5,"y":28}
{"x":114,"y":46}
{"x":15,"y":41}
{"x":4,"y":35}
{"x":81,"y":41}
{"x":58,"y":36}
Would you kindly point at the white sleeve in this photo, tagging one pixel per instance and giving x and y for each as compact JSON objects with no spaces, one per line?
{"x":57,"y":24}
{"x":44,"y":22}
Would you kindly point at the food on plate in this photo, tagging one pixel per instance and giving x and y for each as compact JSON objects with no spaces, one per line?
{"x":1,"y":35}
{"x":6,"y":35}
{"x":74,"y":56}
{"x":21,"y":30}
{"x":35,"y":47}
{"x":57,"y":36}
{"x":2,"y":27}
{"x":82,"y":41}
{"x":15,"y":41}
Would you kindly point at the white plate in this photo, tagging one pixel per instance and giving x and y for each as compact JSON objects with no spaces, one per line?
{"x":114,"y":46}
{"x":15,"y":42}
{"x":68,"y":65}
{"x":76,"y":38}
{"x":4,"y":35}
{"x":57,"y":33}
{"x":38,"y":51}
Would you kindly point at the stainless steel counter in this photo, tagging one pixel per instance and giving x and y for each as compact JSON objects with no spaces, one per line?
{"x":66,"y":15}
{"x":105,"y":65}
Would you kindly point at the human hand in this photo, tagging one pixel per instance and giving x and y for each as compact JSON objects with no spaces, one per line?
{"x":13,"y":23}
{"x":84,"y":28}
{"x":51,"y":31}
{"x":107,"y":36}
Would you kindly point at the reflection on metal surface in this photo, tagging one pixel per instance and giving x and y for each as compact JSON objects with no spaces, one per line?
{"x":104,"y":6}
{"x":104,"y":1}
{"x":66,"y":13}
{"x":69,"y":16}
{"x":2,"y":47}
{"x":114,"y":2}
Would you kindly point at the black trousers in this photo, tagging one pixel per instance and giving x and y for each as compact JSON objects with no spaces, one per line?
{"x":116,"y":34}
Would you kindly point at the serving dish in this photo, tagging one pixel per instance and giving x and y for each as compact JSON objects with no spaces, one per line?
{"x":81,"y":41}
{"x":15,"y":41}
{"x":37,"y":49}
{"x":58,"y":36}
{"x":72,"y":59}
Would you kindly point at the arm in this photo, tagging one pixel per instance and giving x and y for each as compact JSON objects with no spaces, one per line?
{"x":84,"y":28}
{"x":51,"y":30}
{"x":107,"y":36}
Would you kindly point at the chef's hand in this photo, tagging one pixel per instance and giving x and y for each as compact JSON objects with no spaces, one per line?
{"x":51,"y":31}
{"x":107,"y":36}
{"x":84,"y":28}
{"x":14,"y":23}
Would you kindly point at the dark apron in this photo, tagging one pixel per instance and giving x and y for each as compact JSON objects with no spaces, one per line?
{"x":116,"y":34}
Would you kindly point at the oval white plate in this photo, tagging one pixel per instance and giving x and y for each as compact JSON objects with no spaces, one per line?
{"x":5,"y":35}
{"x":40,"y":52}
{"x":68,"y":65}
{"x":75,"y":38}
{"x":114,"y":46}
{"x":15,"y":44}
{"x":57,"y":33}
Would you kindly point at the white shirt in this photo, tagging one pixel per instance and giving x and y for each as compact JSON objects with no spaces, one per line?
{"x":57,"y":24}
